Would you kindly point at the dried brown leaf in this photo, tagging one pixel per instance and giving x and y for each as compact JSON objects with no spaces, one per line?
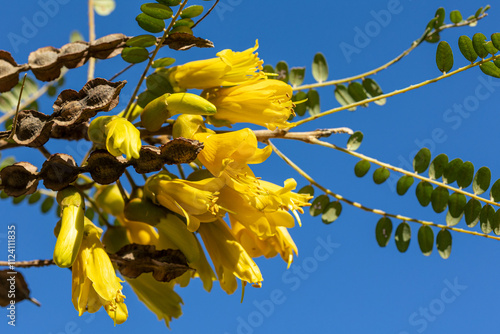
{"x":184,"y":41}
{"x":13,"y":288}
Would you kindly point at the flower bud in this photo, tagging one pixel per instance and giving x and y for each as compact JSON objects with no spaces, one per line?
{"x":110,"y":199}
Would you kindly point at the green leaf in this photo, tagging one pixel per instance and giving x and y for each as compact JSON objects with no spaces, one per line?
{"x":466,"y":48}
{"x":495,"y":191}
{"x":145,"y":97}
{"x":456,"y":207}
{"x":490,"y":69}
{"x":486,"y":218}
{"x":439,"y":199}
{"x":481,"y":180}
{"x":169,"y":2}
{"x":343,"y":97}
{"x":191,"y":11}
{"x":184,"y":23}
{"x":478,"y":43}
{"x":495,"y":222}
{"x":319,"y":68}
{"x":488,"y":46}
{"x":373,"y":90}
{"x":380,"y":175}
{"x":300,"y":108}
{"x":495,"y":39}
{"x":135,"y":54}
{"x":18,"y":199}
{"x":438,"y":166}
{"x":297,"y":76}
{"x":313,"y":102}
{"x":163,"y":62}
{"x":362,"y":167}
{"x":158,"y":84}
{"x":90,"y":213}
{"x":104,"y":7}
{"x":181,"y":29}
{"x":309,"y":189}
{"x":150,"y":23}
{"x":426,"y":240}
{"x":47,"y":204}
{"x":440,"y":15}
{"x":424,"y":192}
{"x":402,"y":237}
{"x":356,"y":90}
{"x":465,"y":174}
{"x":318,"y":205}
{"x":142,"y":41}
{"x":404,"y":183}
{"x":75,"y":36}
{"x":472,"y":212}
{"x":157,"y":10}
{"x":444,"y":57}
{"x":331,"y":212}
{"x":421,"y":160}
{"x":282,"y":70}
{"x":455,"y":16}
{"x":450,"y":173}
{"x":383,"y":231}
{"x":35,"y":197}
{"x":478,"y":12}
{"x":269,"y":69}
{"x":354,"y":141}
{"x":443,"y":243}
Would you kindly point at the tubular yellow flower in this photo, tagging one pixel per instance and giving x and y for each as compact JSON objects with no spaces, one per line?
{"x":94,"y":282}
{"x":229,"y":69}
{"x":263,"y":102}
{"x":70,"y":234}
{"x":228,"y":256}
{"x":159,"y":297}
{"x":120,"y":136}
{"x":195,"y":200}
{"x":110,"y":199}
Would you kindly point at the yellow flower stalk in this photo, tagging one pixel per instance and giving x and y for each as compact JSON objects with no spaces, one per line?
{"x":119,"y":135}
{"x":195,"y":200}
{"x":70,"y":235}
{"x":94,"y":282}
{"x":228,"y":69}
{"x":159,"y":297}
{"x":228,"y":256}
{"x":263,"y":102}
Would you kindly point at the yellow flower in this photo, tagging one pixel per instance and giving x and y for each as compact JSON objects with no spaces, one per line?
{"x":195,"y":200}
{"x":281,"y":242}
{"x":263,"y":102}
{"x":159,"y":297}
{"x":229,"y":69}
{"x":228,"y":256}
{"x":120,"y":136}
{"x":94,"y":282}
{"x":70,"y":235}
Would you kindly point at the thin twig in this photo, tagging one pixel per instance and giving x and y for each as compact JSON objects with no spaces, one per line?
{"x":14,"y":122}
{"x":206,"y":14}
{"x":375,"y":211}
{"x":91,"y":68}
{"x":122,"y":71}
{"x":27,"y":264}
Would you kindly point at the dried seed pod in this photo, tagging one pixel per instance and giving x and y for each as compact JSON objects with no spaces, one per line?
{"x":105,"y":168}
{"x":32,"y":128}
{"x":184,"y":41}
{"x":59,"y":171}
{"x":9,"y":71}
{"x":180,"y":150}
{"x":70,"y":132}
{"x":19,"y":179}
{"x":44,"y":63}
{"x":74,"y":54}
{"x":150,"y":160}
{"x":98,"y":94}
{"x":107,"y":46}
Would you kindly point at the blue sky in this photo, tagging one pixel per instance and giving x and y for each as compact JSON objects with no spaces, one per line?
{"x":342,"y":281}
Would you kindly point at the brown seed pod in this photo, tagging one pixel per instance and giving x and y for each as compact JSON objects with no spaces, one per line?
{"x":180,"y":150}
{"x":9,"y":71}
{"x":19,"y":179}
{"x":184,"y":41}
{"x":32,"y":128}
{"x":105,"y":168}
{"x":150,"y":160}
{"x":74,"y":54}
{"x":70,"y":132}
{"x":44,"y":63}
{"x":107,"y":46}
{"x":59,"y":171}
